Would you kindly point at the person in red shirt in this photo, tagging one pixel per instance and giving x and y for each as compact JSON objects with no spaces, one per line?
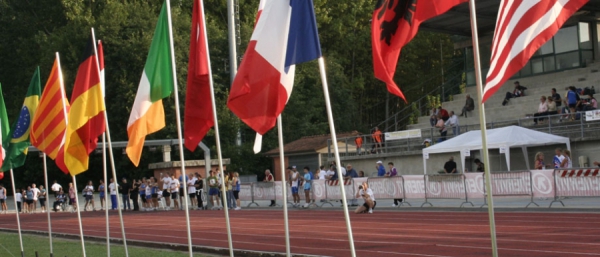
{"x":444,"y":114}
{"x":377,"y":139}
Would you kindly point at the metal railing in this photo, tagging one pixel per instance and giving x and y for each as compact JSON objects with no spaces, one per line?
{"x":389,"y":188}
{"x":446,"y":186}
{"x":510,"y":183}
{"x":582,"y":182}
{"x":558,"y":124}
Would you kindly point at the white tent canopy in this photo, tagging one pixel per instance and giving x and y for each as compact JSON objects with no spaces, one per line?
{"x":500,"y":138}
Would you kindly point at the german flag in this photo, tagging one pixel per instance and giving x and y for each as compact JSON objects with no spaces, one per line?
{"x":86,"y":117}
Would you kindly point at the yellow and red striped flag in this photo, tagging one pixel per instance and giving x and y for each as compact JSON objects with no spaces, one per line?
{"x":86,"y":117}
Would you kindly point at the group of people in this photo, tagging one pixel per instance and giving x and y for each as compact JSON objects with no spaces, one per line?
{"x":27,"y":199}
{"x":232,"y":185}
{"x":573,"y":102}
{"x":562,"y":160}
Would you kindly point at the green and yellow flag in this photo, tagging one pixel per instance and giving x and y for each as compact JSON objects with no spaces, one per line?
{"x":18,"y":140}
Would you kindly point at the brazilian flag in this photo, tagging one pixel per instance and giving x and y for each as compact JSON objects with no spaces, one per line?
{"x":17,"y":142}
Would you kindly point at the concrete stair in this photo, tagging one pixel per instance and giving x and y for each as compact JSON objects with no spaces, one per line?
{"x":518,"y":108}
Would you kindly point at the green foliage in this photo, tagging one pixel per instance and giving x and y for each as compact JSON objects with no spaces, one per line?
{"x":32,"y":31}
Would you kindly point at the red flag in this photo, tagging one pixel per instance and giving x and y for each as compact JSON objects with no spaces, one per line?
{"x":394,"y":24}
{"x":198,"y":117}
{"x":522,"y":28}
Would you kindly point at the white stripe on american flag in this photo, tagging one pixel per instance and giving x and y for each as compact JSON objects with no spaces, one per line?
{"x":521,"y":28}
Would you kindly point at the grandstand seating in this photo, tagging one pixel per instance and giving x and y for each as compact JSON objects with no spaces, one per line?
{"x":519,"y":107}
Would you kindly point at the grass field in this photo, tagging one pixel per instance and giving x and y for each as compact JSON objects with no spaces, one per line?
{"x":9,"y":246}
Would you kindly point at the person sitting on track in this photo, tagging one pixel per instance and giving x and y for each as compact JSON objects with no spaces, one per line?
{"x":367,"y":194}
{"x":60,"y":199}
{"x":88,"y":191}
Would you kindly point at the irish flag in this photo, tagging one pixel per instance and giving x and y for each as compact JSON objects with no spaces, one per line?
{"x":4,"y":128}
{"x":147,"y":115}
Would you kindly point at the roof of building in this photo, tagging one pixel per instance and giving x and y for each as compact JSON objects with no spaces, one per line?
{"x":457,"y":20}
{"x":309,"y":144}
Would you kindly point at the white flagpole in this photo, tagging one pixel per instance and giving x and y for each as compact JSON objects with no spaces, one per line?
{"x":179,"y":134}
{"x":216,"y":126}
{"x":337,"y":154}
{"x":284,"y":188}
{"x":48,"y":204}
{"x":112,"y":158}
{"x":12,"y":180}
{"x":482,"y":124}
{"x":79,"y":215}
{"x":104,"y":168}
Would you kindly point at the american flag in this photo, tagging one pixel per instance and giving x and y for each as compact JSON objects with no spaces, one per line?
{"x":522,"y":27}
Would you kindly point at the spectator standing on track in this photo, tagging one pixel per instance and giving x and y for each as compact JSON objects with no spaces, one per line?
{"x":236,"y":190}
{"x":392,"y":173}
{"x":358,"y":141}
{"x":295,"y":182}
{"x":269,"y":178}
{"x":231,"y":204}
{"x":102,"y":195}
{"x":134,"y":193}
{"x":88,"y":192}
{"x":55,"y":188}
{"x":142,"y":188}
{"x":367,"y":194}
{"x":3,"y":198}
{"x":42,"y":198}
{"x":72,"y":195}
{"x":192,"y":191}
{"x":166,"y":180}
{"x":213,"y":191}
{"x":480,"y":165}
{"x":36,"y":193}
{"x":181,"y":184}
{"x":60,"y":200}
{"x":566,"y":162}
{"x":125,"y":190}
{"x":450,"y":166}
{"x":377,"y":139}
{"x":307,"y":186}
{"x":19,"y":199}
{"x":113,"y":194}
{"x":351,"y":174}
{"x":154,"y":191}
{"x":558,"y":158}
{"x":175,"y":192}
{"x":539,"y":161}
{"x":380,"y":169}
{"x":199,"y":185}
{"x":148,"y":195}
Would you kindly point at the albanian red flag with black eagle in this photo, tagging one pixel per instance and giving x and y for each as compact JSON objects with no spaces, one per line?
{"x":394,"y":24}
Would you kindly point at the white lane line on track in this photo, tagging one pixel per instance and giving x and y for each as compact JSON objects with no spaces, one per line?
{"x":521,"y":250}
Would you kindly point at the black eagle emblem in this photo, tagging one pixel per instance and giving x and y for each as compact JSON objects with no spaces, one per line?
{"x":405,"y":9}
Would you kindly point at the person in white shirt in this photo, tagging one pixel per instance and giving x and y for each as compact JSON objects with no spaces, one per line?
{"x":453,"y":123}
{"x":19,"y":200}
{"x":542,"y":110}
{"x":175,"y":192}
{"x":36,"y":193}
{"x":55,"y":188}
{"x":566,"y":162}
{"x":113,"y":194}
{"x":166,"y":180}
{"x":88,"y":192}
{"x":322,"y":173}
{"x":3,"y":198}
{"x":192,"y":191}
{"x":366,"y":193}
{"x":294,"y":181}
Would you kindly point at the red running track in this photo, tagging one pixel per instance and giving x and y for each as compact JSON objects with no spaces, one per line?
{"x":316,"y":232}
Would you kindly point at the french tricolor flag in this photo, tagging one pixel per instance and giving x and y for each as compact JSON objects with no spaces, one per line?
{"x":285,"y":35}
